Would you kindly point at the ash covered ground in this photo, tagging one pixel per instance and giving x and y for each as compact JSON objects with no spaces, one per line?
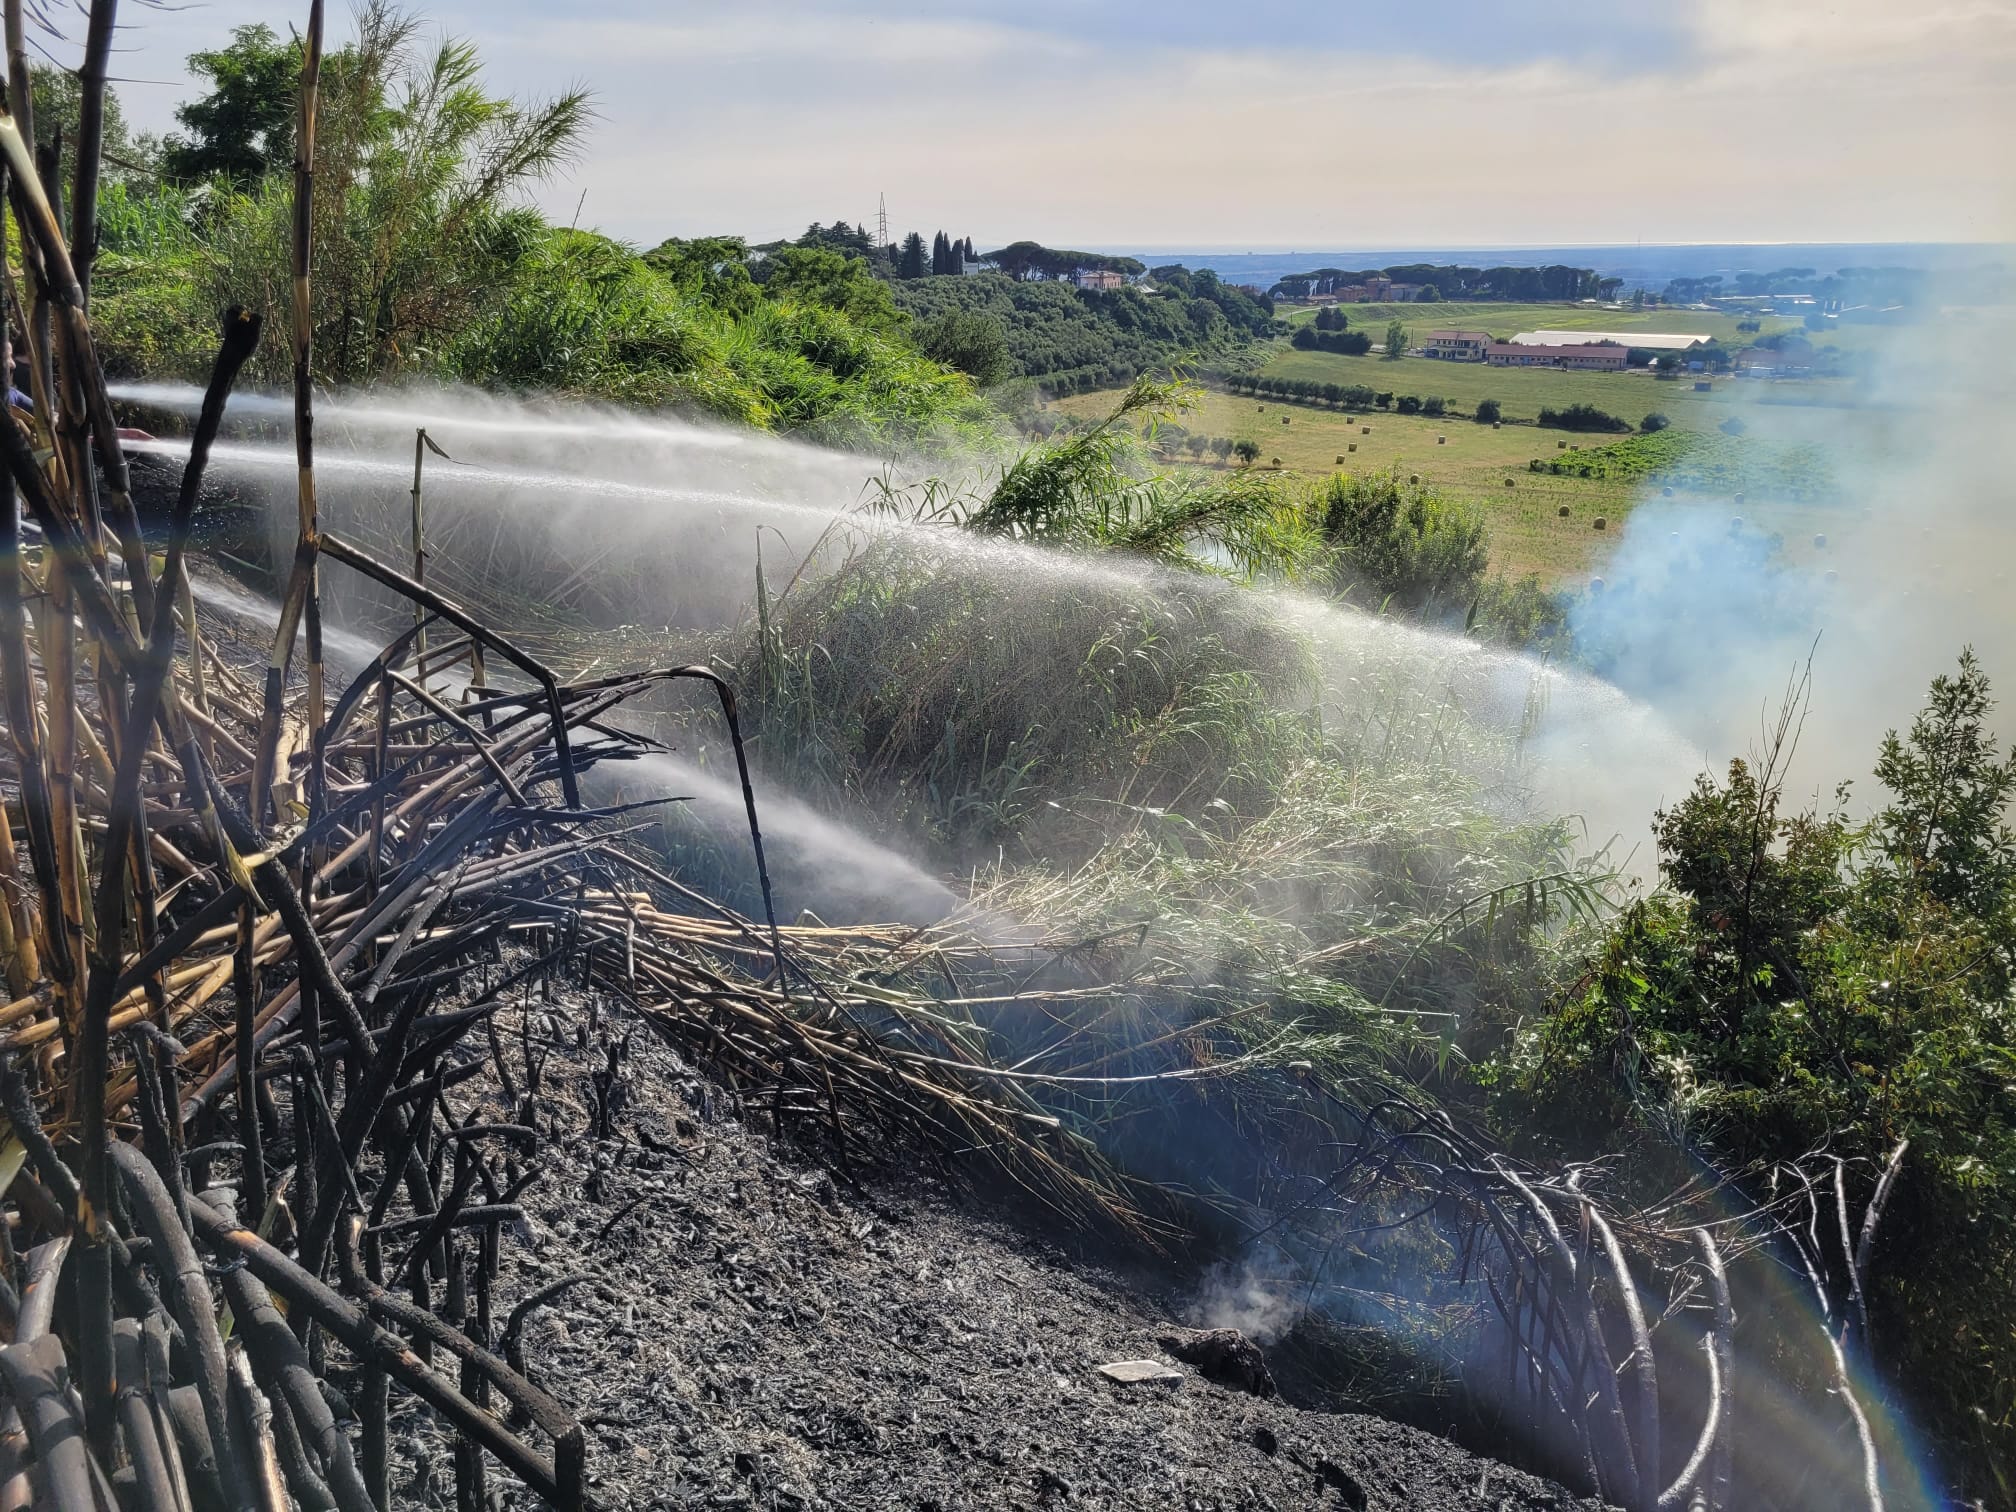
{"x":756,"y":1334}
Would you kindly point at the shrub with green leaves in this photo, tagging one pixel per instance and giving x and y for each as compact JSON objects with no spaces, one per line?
{"x":1405,"y":546}
{"x":1808,"y":983}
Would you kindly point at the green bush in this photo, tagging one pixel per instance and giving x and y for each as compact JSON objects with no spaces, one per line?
{"x":1653,"y":422}
{"x":1582,"y":417}
{"x":1488,"y":411}
{"x":1400,"y":545}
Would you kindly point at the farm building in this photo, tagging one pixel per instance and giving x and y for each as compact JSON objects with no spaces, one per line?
{"x":1650,"y":340}
{"x":1457,"y":346}
{"x":1586,"y":358}
{"x":1098,"y":278}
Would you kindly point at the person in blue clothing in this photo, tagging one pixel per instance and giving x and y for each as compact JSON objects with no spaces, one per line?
{"x":15,"y":398}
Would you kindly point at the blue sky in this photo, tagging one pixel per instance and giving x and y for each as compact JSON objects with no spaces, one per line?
{"x":1267,"y":123}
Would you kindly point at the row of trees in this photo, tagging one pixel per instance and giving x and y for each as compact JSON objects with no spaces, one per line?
{"x":1348,"y":396}
{"x":1024,"y":259}
{"x":1556,"y":281}
{"x":947,"y":256}
{"x":1583,"y":417}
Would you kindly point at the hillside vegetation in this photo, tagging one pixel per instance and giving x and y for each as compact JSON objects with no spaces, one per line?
{"x":430,"y":265}
{"x":1073,"y":340}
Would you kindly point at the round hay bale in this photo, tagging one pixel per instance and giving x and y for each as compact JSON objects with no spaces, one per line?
{"x":1599,"y":523}
{"x":1364,"y":430}
{"x":1277,"y":461}
{"x":1563,"y":511}
{"x":1441,"y":440}
{"x":1352,"y":447}
{"x":1820,"y":543}
{"x":1413,"y":477}
{"x":1666,"y":492}
{"x":1560,"y":446}
{"x":1738,"y":499}
{"x":1595,"y":585}
{"x":1284,"y":419}
{"x":1736,"y":522}
{"x":1833,"y":576}
{"x":1509,"y":483}
{"x":1497,"y":425}
{"x":1340,"y":455}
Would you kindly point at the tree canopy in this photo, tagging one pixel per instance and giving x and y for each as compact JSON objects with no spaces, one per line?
{"x":244,"y":127}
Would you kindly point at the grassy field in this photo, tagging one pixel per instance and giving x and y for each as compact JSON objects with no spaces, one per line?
{"x":1524,"y":392}
{"x":1473,"y":461}
{"x":1508,"y":320}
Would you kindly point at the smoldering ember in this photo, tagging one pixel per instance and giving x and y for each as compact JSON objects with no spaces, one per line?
{"x":888,"y":868}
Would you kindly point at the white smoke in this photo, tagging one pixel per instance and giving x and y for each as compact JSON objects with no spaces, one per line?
{"x":1711,"y":606}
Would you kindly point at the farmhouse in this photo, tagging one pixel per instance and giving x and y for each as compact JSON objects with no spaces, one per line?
{"x":1098,"y":278}
{"x":1457,"y":346}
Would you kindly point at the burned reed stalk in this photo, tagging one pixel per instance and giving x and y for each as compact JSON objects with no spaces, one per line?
{"x":374,"y":1345}
{"x":303,"y":341}
{"x":90,"y":140}
{"x":470,"y":626}
{"x":92,"y":1034}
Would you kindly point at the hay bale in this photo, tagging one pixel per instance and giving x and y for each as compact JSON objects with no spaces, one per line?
{"x":1284,"y":419}
{"x":1563,"y":511}
{"x":1352,"y":447}
{"x":1441,"y":440}
{"x":1509,"y":483}
{"x":1413,"y":477}
{"x":1277,"y":461}
{"x":1560,"y":446}
{"x":1666,"y":492}
{"x":1497,"y":425}
{"x":1820,"y":543}
{"x":1340,"y":456}
{"x":1364,"y":430}
{"x":1600,"y":523}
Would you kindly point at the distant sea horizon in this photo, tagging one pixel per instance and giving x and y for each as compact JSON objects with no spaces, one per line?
{"x":1649,"y":265}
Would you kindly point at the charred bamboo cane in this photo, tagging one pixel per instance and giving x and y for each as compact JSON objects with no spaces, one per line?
{"x":281,"y":1365}
{"x":373,"y":1344}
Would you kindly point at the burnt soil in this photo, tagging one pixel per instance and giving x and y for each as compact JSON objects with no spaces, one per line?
{"x":758,"y":1334}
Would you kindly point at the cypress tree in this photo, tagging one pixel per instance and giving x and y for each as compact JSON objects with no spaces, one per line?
{"x":911,"y":263}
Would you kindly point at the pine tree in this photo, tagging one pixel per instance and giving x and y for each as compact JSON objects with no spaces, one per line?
{"x":911,"y":263}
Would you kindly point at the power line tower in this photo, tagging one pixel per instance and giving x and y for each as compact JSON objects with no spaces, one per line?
{"x":882,"y":220}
